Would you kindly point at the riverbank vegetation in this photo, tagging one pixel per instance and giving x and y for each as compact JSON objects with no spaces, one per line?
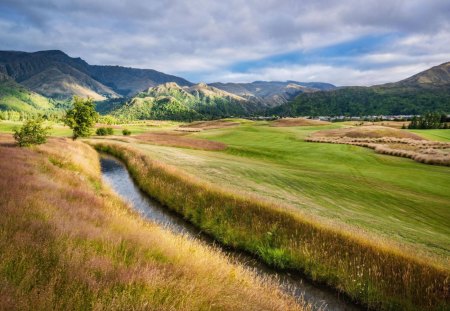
{"x":380,"y":274}
{"x":67,"y":242}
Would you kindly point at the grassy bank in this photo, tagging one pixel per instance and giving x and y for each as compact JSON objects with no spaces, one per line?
{"x":376,"y":273}
{"x":393,"y":198}
{"x":68,"y":243}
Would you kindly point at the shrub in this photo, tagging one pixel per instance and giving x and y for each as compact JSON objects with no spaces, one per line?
{"x":104,"y":131}
{"x":31,"y":133}
{"x":126,"y":132}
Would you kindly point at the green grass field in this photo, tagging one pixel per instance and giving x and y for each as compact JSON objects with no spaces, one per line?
{"x":395,"y":198}
{"x":438,"y":135}
{"x":59,"y":130}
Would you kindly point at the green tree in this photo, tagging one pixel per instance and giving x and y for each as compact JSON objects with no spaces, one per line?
{"x":81,"y":117}
{"x":33,"y":132}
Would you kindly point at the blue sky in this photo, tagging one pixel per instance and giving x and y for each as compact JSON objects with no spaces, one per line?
{"x":347,"y":42}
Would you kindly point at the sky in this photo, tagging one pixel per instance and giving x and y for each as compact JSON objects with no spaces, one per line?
{"x":345,"y":42}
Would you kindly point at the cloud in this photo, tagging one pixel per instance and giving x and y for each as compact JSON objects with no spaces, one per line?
{"x":209,"y":40}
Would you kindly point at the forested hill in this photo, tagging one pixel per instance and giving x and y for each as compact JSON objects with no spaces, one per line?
{"x":425,"y":91}
{"x":171,"y":101}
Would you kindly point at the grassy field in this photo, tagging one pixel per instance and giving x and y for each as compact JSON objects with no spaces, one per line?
{"x":438,"y":135}
{"x":60,"y":130}
{"x":392,"y":197}
{"x":369,"y":201}
{"x":374,"y":272}
{"x":68,"y":243}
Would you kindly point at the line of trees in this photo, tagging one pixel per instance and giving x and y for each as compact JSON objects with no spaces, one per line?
{"x":430,"y":120}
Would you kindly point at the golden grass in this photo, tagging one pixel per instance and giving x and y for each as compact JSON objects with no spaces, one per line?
{"x":388,"y":141}
{"x":379,"y":275}
{"x":67,"y":242}
{"x":393,"y":124}
{"x":208,"y":125}
{"x":174,"y":139}
{"x":285,"y":122}
{"x":367,"y":132}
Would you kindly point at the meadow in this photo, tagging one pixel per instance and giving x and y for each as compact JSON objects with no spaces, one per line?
{"x":373,"y":226}
{"x":391,"y":197}
{"x":67,"y":242}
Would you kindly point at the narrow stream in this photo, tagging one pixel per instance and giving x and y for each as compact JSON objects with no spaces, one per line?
{"x":116,"y":175}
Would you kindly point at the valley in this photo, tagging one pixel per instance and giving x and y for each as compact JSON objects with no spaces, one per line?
{"x":271,"y":167}
{"x":292,"y":195}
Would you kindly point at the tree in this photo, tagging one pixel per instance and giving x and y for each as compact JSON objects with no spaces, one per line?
{"x":32,"y":132}
{"x":81,"y":117}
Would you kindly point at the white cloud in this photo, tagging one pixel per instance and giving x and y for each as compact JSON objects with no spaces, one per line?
{"x":204,"y":38}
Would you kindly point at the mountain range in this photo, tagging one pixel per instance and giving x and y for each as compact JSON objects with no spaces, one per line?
{"x":426,"y":91}
{"x":45,"y":80}
{"x":56,"y":75}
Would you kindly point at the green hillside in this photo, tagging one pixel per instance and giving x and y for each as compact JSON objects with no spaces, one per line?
{"x":15,"y":97}
{"x":172,"y":102}
{"x":355,"y":101}
{"x":428,"y":90}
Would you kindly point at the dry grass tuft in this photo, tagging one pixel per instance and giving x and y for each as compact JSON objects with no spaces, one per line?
{"x":378,"y":274}
{"x":66,"y":242}
{"x":174,"y":139}
{"x":209,"y":125}
{"x":388,"y":141}
{"x":367,"y":132}
{"x":286,"y":122}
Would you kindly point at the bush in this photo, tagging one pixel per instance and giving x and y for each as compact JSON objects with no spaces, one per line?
{"x":126,"y":132}
{"x":104,"y":131}
{"x":31,"y":133}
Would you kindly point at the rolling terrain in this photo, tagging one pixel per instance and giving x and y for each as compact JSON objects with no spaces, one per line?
{"x":426,"y":91}
{"x":16,"y":97}
{"x":289,"y":188}
{"x":244,"y":165}
{"x":170,"y":101}
{"x":69,"y":242}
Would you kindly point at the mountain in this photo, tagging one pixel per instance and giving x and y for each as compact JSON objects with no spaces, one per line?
{"x":55,"y":74}
{"x":435,"y":77}
{"x":272,"y":93}
{"x":175,"y":102}
{"x":130,"y":81}
{"x":426,"y":91}
{"x":14,"y":96}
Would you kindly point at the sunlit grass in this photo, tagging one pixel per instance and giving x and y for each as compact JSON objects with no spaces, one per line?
{"x":66,"y":242}
{"x":376,"y":272}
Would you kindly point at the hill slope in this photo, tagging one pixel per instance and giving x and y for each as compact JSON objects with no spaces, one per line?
{"x":55,"y":74}
{"x":434,"y":77}
{"x":272,"y":93}
{"x":425,"y":91}
{"x":171,"y":101}
{"x":14,"y":96}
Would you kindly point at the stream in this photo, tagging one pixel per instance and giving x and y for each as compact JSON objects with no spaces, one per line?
{"x":116,"y":175}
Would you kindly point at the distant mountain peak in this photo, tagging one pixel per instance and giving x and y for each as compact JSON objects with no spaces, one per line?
{"x":432,"y":77}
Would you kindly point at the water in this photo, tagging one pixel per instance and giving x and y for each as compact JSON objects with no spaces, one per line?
{"x":116,"y":175}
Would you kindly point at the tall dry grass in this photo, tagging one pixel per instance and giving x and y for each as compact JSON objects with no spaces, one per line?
{"x":68,"y":243}
{"x":379,"y":275}
{"x":423,"y":151}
